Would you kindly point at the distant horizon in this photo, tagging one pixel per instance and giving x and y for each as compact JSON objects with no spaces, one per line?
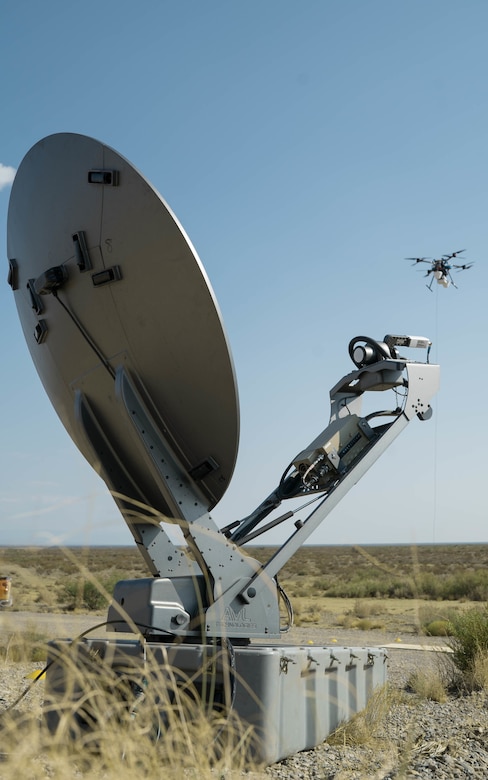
{"x":250,"y":546}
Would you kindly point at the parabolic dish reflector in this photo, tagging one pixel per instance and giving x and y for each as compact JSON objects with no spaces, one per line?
{"x":115,"y":306}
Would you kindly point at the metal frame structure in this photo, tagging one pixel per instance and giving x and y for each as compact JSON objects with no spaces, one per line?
{"x":220,"y":591}
{"x":120,"y":319}
{"x":292,"y":697}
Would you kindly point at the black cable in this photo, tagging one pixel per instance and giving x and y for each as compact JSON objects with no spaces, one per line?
{"x":285,"y":473}
{"x":289,"y":607}
{"x":223,"y":641}
{"x":42,"y":672}
{"x":85,"y":335}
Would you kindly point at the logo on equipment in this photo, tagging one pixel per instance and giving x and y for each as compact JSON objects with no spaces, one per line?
{"x":236,"y":619}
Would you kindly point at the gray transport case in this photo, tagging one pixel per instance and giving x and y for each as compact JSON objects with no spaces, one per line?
{"x":291,"y":697}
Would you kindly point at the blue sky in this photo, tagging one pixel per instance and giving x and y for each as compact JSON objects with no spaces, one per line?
{"x":306,"y":148}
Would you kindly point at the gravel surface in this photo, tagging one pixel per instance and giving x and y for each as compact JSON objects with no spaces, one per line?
{"x":418,"y":738}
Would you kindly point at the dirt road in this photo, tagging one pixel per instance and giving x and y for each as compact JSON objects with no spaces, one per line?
{"x":56,"y":626}
{"x":50,"y":625}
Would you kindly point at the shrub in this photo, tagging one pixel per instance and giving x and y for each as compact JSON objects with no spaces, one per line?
{"x":366,"y":624}
{"x":364,"y":609}
{"x":28,"y":645}
{"x":307,"y":614}
{"x":469,"y":644}
{"x":363,"y":624}
{"x":438,"y":627}
{"x":88,"y":595}
{"x":479,"y":676}
{"x":427,"y":685}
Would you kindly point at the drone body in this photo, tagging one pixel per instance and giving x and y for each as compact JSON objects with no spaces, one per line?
{"x":440,"y":269}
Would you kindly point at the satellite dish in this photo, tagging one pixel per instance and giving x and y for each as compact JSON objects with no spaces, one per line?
{"x":125,"y":333}
{"x":121,"y":322}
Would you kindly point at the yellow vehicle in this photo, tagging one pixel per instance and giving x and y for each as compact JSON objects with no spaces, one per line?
{"x":5,"y":587}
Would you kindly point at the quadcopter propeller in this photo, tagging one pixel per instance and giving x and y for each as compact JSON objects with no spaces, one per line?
{"x":463,"y":267}
{"x":454,"y":254}
{"x":419,"y":259}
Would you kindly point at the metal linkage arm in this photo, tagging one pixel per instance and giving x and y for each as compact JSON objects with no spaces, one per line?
{"x":351,"y":443}
{"x":237,"y":596}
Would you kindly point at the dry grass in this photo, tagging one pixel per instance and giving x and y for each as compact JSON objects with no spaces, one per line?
{"x":479,"y":672}
{"x":110,"y":724}
{"x":365,"y":727}
{"x":125,"y":738}
{"x":428,"y":684}
{"x":21,"y":646}
{"x":428,"y":572}
{"x":434,"y":572}
{"x":47,"y":579}
{"x":51,"y":579}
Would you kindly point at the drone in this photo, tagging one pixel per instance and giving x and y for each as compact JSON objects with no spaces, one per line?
{"x":441,"y":269}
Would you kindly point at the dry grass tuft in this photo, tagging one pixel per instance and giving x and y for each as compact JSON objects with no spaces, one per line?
{"x":22,"y":646}
{"x":364,"y":727}
{"x":365,"y":609}
{"x":476,"y":676}
{"x":349,"y":620}
{"x":140,"y":720}
{"x":428,"y":684}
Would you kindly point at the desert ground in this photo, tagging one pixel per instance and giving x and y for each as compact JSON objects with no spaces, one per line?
{"x":401,"y":598}
{"x":394,"y":589}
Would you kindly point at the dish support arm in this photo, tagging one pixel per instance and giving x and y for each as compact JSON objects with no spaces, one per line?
{"x":238,"y":596}
{"x":421,"y":383}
